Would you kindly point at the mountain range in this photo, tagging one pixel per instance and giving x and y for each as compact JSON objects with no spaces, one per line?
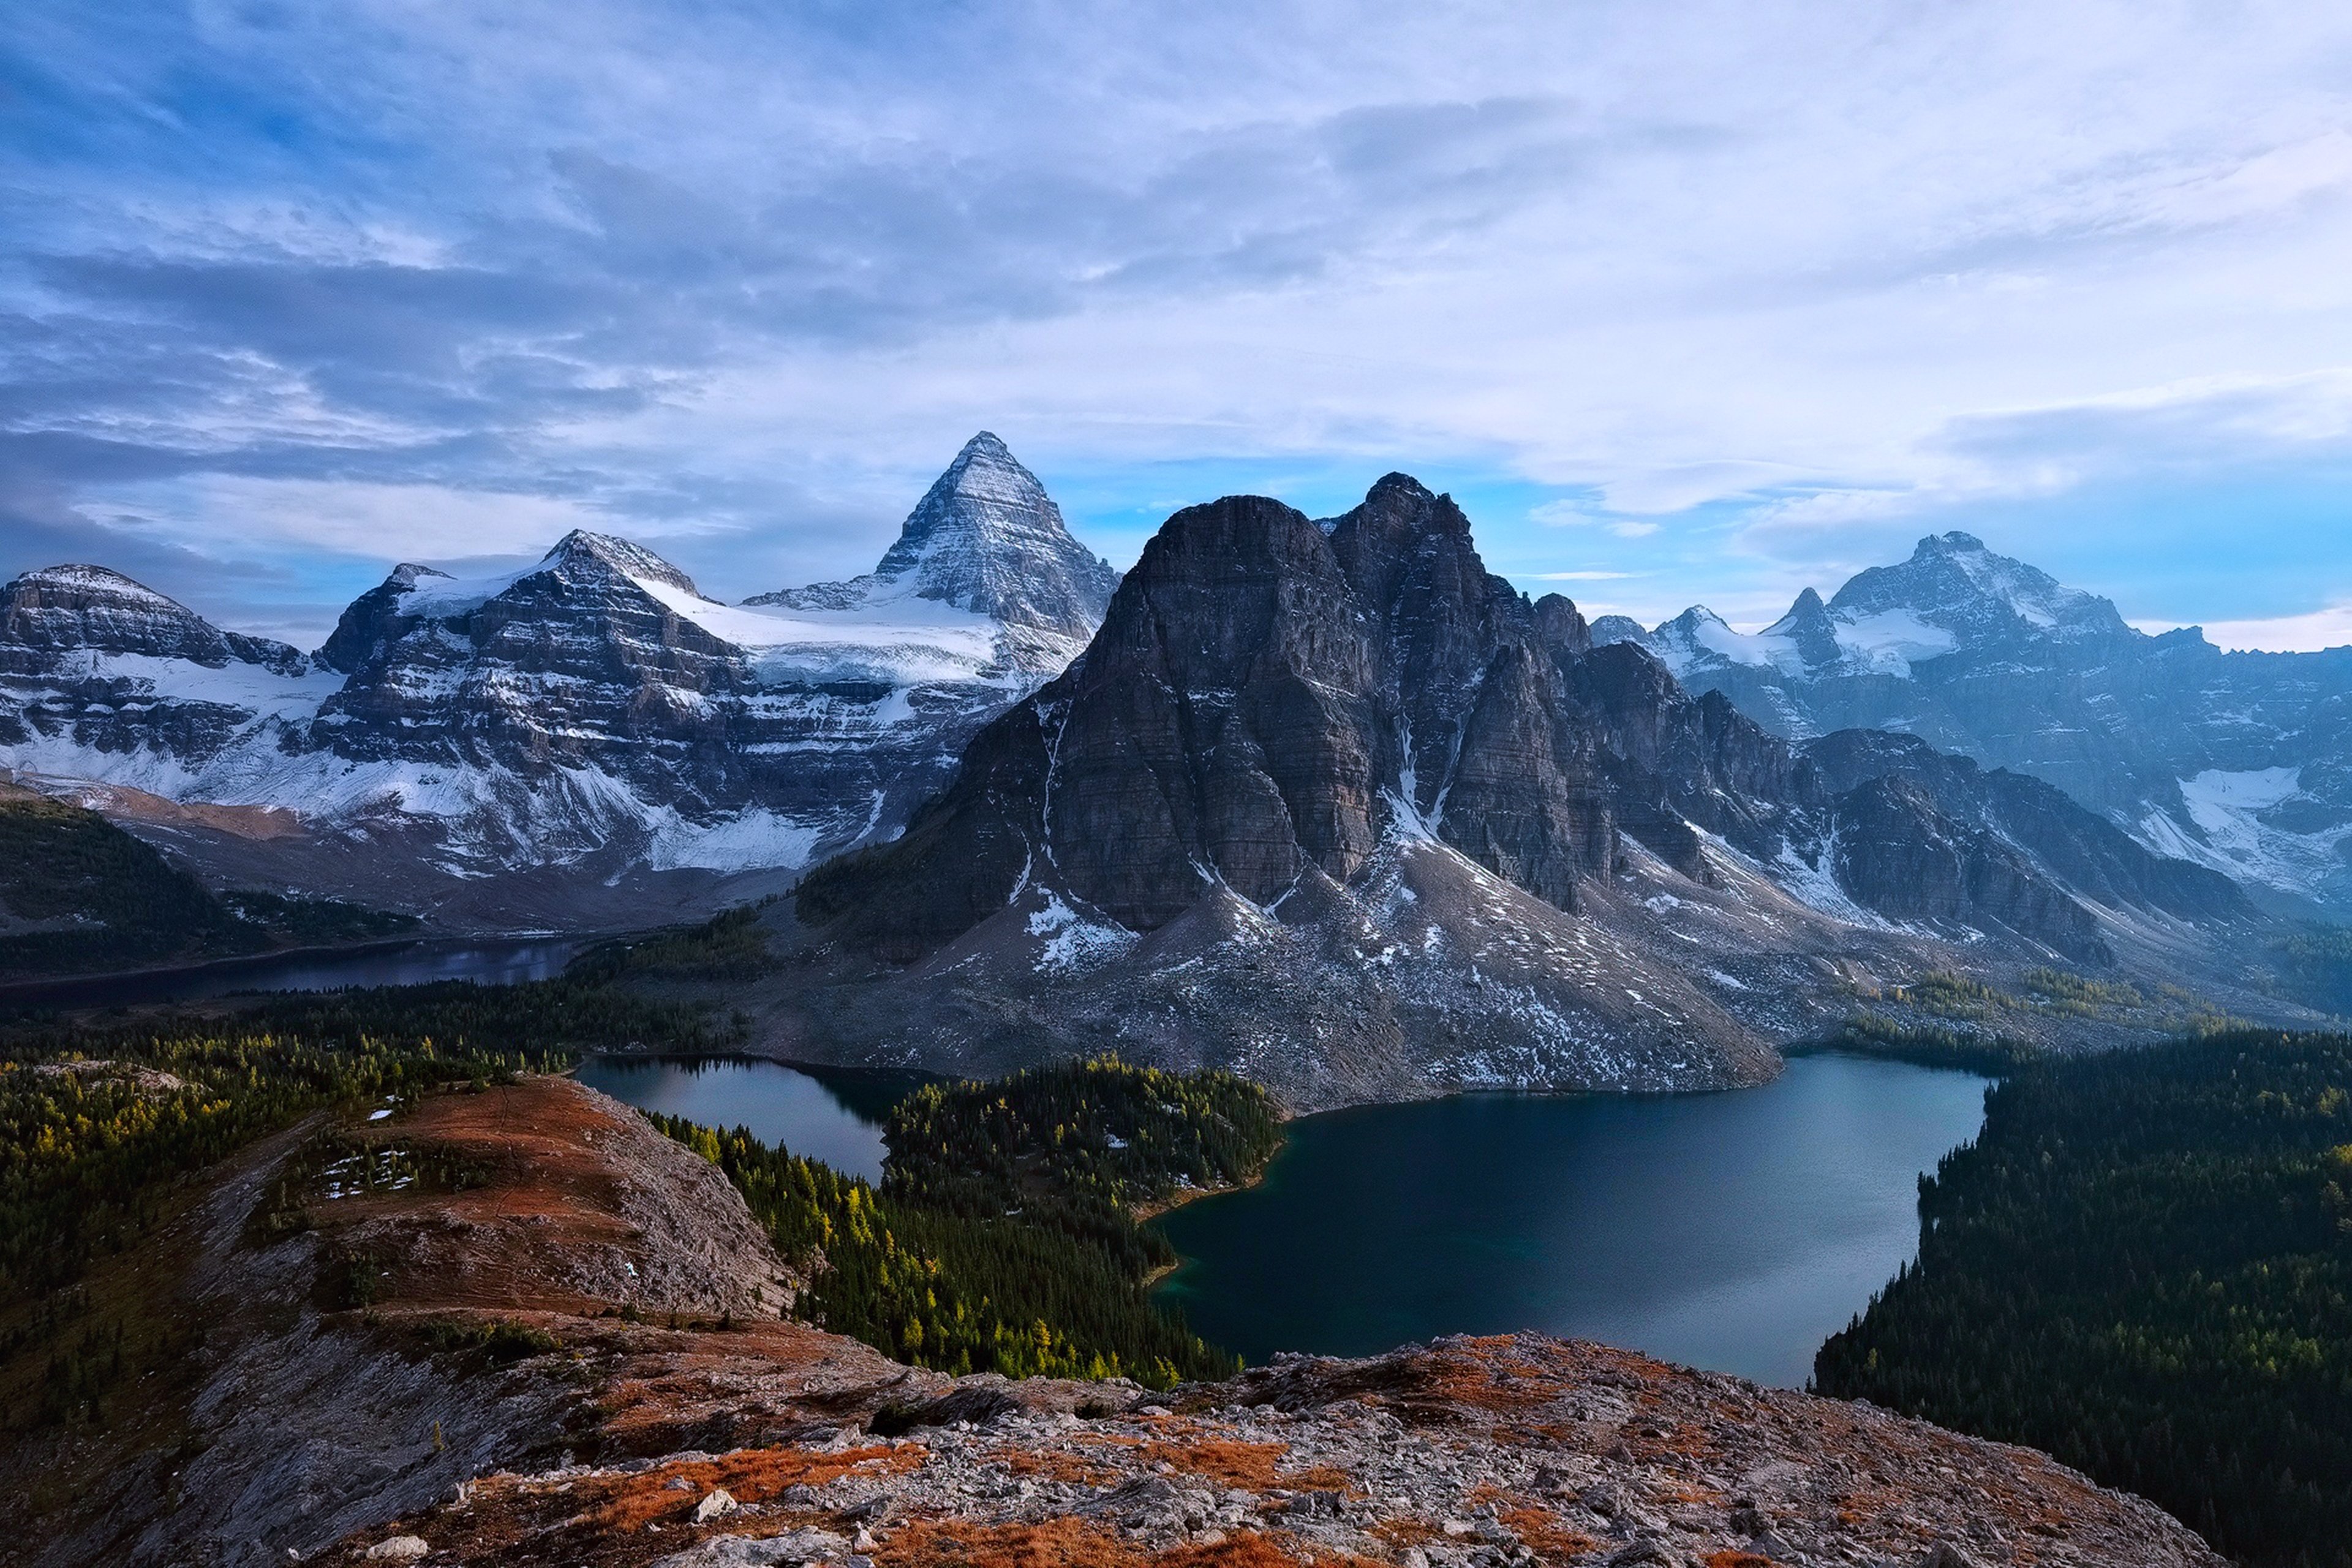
{"x":590,"y":721}
{"x":1332,"y":805}
{"x":1323,"y":801}
{"x":2242,"y":762}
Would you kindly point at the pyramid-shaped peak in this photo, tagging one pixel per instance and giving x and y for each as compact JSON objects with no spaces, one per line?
{"x":581,"y":548}
{"x":984,"y":493}
{"x":1808,"y":628}
{"x":987,"y":538}
{"x":1954,"y":542}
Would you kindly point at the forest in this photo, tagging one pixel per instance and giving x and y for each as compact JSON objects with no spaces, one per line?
{"x":1005,"y":1236}
{"x":2143,"y":1266}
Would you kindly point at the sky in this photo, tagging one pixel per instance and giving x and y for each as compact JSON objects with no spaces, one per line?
{"x":1685,"y":303}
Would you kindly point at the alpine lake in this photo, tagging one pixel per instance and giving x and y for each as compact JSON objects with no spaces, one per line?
{"x":1731,"y":1231}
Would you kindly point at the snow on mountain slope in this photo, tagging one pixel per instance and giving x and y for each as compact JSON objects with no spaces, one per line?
{"x":595,"y":704}
{"x":987,"y":541}
{"x":2238,"y":761}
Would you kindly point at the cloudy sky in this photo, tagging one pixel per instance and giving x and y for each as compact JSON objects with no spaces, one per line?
{"x":1686,"y":302}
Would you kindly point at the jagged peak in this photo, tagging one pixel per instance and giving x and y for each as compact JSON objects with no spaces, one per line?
{"x":1691,"y":620}
{"x":984,"y":495}
{"x":406,"y":574}
{"x":1956,"y":581}
{"x":985,"y":538}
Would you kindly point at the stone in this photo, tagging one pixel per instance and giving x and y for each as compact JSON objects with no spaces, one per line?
{"x":398,"y":1549}
{"x":717,"y":1502}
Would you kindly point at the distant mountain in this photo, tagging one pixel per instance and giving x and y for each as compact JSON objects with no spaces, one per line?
{"x":987,"y":540}
{"x":593,"y":710}
{"x":2242,"y":762}
{"x":1333,"y":805}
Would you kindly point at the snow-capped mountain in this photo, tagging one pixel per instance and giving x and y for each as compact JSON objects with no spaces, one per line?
{"x":2240,"y":761}
{"x":986,"y":539}
{"x":1330,"y":805}
{"x":594,"y":707}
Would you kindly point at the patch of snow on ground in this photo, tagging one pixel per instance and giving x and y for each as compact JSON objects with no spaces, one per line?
{"x":752,"y":840}
{"x":2226,"y":809}
{"x":1073,"y":941}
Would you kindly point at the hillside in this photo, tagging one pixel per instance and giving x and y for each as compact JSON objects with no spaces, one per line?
{"x":2143,"y":1264}
{"x":79,"y":894}
{"x":567,"y":1353}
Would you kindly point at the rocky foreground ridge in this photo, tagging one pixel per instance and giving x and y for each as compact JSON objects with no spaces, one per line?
{"x":650,"y":1409}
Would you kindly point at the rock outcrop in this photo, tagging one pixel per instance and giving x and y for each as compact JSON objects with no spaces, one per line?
{"x":1448,"y":839}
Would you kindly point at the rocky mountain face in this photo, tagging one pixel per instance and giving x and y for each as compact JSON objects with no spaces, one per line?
{"x":647,"y":1407}
{"x":594,"y":710}
{"x":987,"y":540}
{"x":1330,"y":803}
{"x":2242,"y":762}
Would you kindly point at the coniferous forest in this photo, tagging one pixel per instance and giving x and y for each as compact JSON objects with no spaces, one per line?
{"x":2143,"y":1266}
{"x":1005,"y":1236}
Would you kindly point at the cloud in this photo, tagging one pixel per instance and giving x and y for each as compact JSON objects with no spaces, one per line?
{"x":740,"y":278}
{"x":1581,"y":514}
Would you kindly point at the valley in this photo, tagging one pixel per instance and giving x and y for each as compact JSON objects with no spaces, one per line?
{"x":1064,"y":1009}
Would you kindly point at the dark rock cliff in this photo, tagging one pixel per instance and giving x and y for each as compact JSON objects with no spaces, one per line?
{"x":1271,"y":700}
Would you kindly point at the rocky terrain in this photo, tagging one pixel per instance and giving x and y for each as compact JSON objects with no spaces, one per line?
{"x":530,"y":749}
{"x":2242,"y":762}
{"x":573,"y":1360}
{"x":1330,"y":805}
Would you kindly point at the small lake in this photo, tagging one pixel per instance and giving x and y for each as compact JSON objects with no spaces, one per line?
{"x":485,"y":963}
{"x":1730,"y":1231}
{"x":836,"y":1118}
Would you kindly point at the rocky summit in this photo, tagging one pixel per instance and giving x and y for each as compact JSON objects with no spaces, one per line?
{"x":986,"y":539}
{"x":591,"y":713}
{"x":2237,"y":761}
{"x":1330,"y":803}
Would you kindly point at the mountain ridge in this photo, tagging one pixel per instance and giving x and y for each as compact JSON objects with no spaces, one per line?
{"x":1449,"y":841}
{"x":592,"y":718}
{"x":2242,"y":762}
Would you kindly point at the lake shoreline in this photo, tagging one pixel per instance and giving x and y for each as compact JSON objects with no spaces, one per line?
{"x":1729,"y":1231}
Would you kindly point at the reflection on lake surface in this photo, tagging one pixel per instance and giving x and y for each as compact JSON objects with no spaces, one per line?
{"x":1729,"y":1231}
{"x":508,"y":962}
{"x":835,"y":1118}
